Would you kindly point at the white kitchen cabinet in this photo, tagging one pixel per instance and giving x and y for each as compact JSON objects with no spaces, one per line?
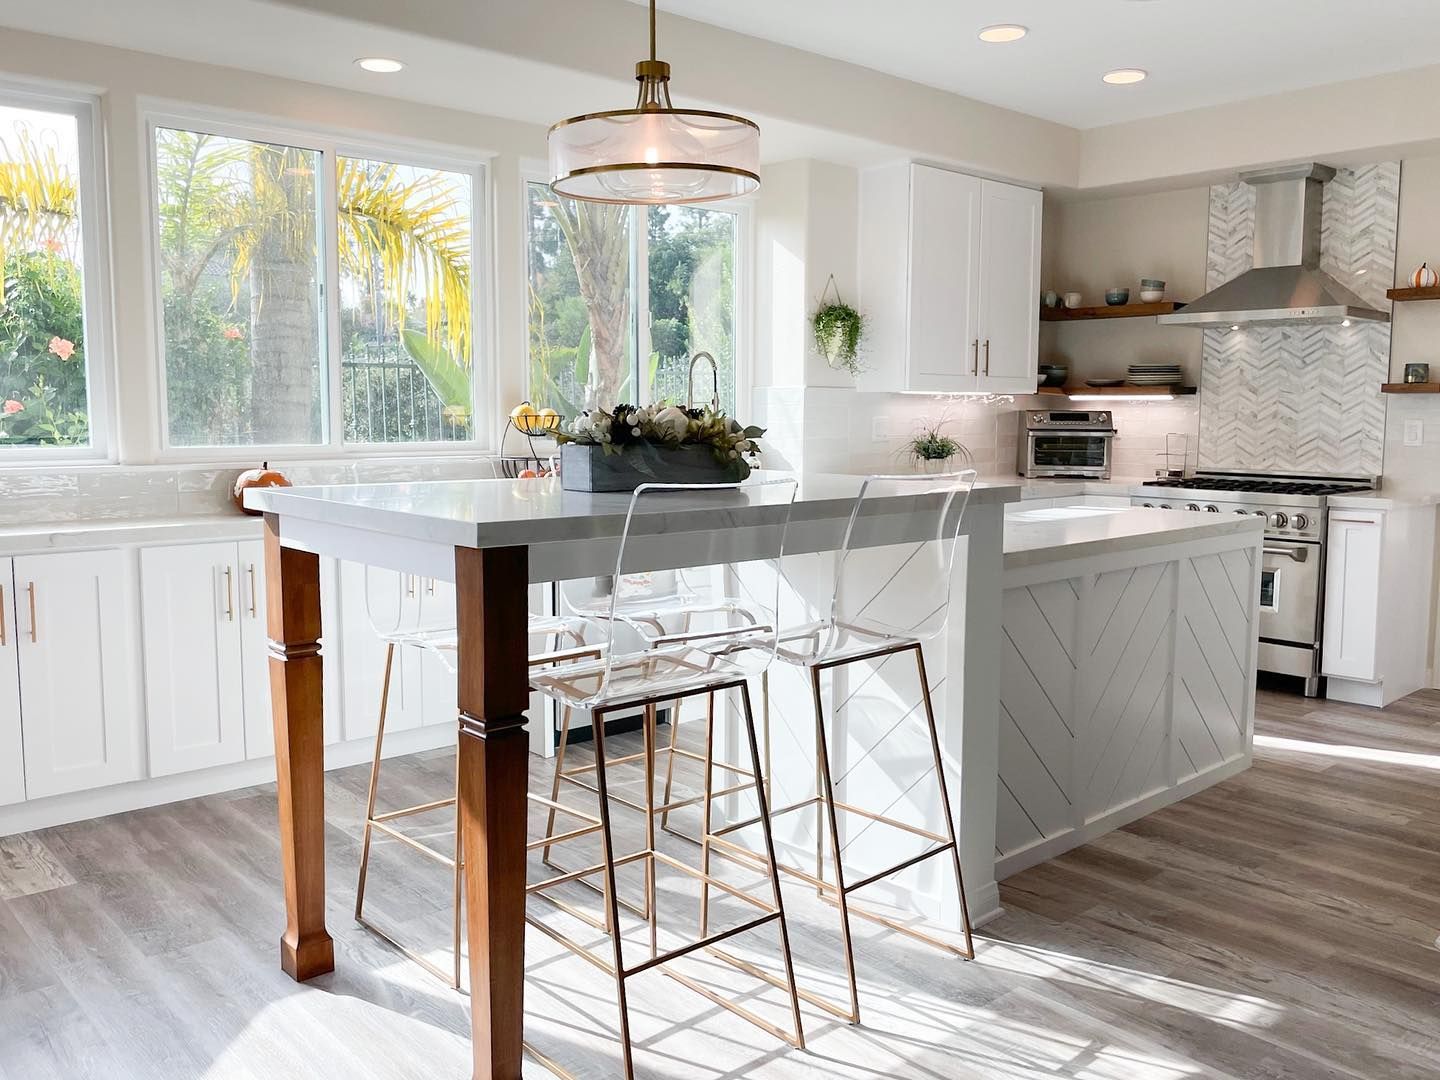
{"x":12,"y":762}
{"x":1009,"y":290}
{"x":195,"y":680}
{"x":950,"y":276}
{"x":76,"y":623}
{"x":1352,"y":595}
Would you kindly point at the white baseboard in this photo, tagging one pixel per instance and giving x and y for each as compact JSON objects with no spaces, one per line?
{"x":118,"y":798}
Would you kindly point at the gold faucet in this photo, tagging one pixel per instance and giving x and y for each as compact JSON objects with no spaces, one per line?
{"x":714,"y":381}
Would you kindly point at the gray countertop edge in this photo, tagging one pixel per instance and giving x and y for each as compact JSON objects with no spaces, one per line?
{"x":75,"y":535}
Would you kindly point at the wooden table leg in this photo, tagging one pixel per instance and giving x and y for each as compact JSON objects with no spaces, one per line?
{"x":491,"y":590}
{"x":293,"y":614}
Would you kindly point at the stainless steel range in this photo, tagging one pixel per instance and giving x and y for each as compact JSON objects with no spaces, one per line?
{"x":1292,"y":578}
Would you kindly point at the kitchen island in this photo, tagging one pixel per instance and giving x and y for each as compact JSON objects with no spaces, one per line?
{"x":1127,"y":671}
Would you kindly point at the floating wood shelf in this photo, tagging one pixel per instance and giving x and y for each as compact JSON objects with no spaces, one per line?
{"x":1107,"y":311}
{"x":1119,"y":391}
{"x":1406,"y":295}
{"x":1409,"y":388}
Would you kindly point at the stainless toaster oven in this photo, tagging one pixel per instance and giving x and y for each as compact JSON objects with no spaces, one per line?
{"x":1069,"y":443}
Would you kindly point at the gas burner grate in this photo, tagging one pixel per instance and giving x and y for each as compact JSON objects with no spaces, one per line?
{"x":1257,"y":487}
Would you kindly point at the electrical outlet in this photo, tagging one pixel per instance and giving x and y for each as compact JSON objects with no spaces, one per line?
{"x":1414,"y":432}
{"x":880,"y":429}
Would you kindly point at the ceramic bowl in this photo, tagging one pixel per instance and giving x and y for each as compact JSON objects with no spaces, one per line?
{"x":1152,"y":283}
{"x":1151,"y":296}
{"x":1116,"y":297}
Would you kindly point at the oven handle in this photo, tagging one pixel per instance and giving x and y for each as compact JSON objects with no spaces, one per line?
{"x":1298,"y":554}
{"x":1062,"y":433}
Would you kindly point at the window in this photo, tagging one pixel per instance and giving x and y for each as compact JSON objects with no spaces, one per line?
{"x":48,"y":367}
{"x":609,"y":284}
{"x":254,"y":355}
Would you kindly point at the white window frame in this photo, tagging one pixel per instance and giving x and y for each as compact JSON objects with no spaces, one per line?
{"x":743,"y":209}
{"x":96,"y":306}
{"x":332,"y":144}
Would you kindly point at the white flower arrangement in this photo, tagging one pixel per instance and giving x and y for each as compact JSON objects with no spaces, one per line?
{"x":666,"y":427}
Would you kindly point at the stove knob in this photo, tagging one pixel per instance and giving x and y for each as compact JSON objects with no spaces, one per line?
{"x":1243,"y":513}
{"x":1300,"y":521}
{"x":1150,"y":505}
{"x":1279,"y":520}
{"x":1212,"y":509}
{"x":1104,"y":418}
{"x":1166,"y":506}
{"x":1260,"y":514}
{"x":1192,"y":506}
{"x":1038,"y":418}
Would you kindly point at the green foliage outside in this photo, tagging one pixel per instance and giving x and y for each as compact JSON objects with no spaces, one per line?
{"x":42,"y":352}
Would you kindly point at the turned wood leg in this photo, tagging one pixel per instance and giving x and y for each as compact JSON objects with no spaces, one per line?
{"x":293,"y":614}
{"x":491,"y":604}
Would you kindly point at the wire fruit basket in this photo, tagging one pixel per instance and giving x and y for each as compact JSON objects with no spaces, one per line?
{"x":531,"y":425}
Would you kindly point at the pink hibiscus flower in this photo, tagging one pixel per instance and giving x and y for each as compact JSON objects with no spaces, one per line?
{"x":12,"y":407}
{"x":62,"y":348}
{"x":54,"y":246}
{"x":232,"y":333}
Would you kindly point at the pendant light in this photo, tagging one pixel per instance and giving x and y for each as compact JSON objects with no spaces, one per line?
{"x":654,"y":153}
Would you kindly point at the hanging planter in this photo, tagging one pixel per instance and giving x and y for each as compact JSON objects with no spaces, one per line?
{"x":838,"y":328}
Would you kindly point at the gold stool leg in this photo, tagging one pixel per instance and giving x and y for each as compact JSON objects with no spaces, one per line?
{"x":827,"y":794}
{"x":945,"y":800}
{"x":764,"y":807}
{"x":374,"y":781}
{"x":612,"y":908}
{"x":670,"y":768}
{"x":650,"y":733}
{"x":565,"y":715}
{"x":705,"y":815}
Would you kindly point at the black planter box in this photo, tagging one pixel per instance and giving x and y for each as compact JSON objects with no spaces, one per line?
{"x":589,"y":468}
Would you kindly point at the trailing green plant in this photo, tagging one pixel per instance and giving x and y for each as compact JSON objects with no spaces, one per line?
{"x":838,"y":328}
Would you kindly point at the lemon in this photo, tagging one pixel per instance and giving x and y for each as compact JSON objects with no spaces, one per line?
{"x":523,"y":409}
{"x":548,"y":412}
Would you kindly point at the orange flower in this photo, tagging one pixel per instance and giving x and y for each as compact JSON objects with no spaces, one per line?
{"x":231,"y":333}
{"x":12,"y":407}
{"x":62,"y":348}
{"x":53,"y":246}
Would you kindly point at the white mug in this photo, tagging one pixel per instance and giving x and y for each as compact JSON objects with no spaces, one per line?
{"x":1072,"y":299}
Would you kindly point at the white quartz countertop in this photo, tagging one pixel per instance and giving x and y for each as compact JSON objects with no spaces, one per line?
{"x":1383,"y":500}
{"x":498,"y":513}
{"x":80,"y":535}
{"x":1034,"y":537}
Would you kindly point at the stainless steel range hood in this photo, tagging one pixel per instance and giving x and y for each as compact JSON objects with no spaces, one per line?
{"x":1286,"y":286}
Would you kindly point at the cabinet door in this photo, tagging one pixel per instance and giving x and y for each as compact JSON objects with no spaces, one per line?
{"x":392,"y":602}
{"x":944,"y":341}
{"x":12,"y":766}
{"x":1352,"y":595}
{"x":79,"y":670}
{"x":190,"y":609}
{"x":1009,"y":288}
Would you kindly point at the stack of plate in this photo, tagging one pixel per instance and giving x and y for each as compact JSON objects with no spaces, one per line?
{"x":1154,"y":375}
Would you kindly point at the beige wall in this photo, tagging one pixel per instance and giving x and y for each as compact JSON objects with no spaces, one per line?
{"x":1092,"y":244}
{"x":126,"y":81}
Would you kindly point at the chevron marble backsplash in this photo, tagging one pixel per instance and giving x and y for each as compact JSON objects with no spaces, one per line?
{"x":1303,"y":398}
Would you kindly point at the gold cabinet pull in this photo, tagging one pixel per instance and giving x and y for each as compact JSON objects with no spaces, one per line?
{"x":2,"y":616}
{"x":987,"y":356}
{"x":253,"y":613}
{"x":34,"y":628}
{"x":976,"y":346}
{"x":229,"y":594}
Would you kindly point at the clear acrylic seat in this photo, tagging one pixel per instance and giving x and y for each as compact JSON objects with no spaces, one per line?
{"x":891,"y":594}
{"x":722,"y":649}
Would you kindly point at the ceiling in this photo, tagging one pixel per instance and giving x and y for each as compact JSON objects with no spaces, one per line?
{"x":1198,"y":52}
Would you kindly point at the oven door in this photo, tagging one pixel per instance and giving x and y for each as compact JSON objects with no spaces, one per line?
{"x":1074,"y":453}
{"x":1290,"y":592}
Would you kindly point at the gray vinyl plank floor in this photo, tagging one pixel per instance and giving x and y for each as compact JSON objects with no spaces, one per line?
{"x":1283,"y":924}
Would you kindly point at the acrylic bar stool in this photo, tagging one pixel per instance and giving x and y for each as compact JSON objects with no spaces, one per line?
{"x":878,"y":609}
{"x":708,"y":661}
{"x":421,"y":622}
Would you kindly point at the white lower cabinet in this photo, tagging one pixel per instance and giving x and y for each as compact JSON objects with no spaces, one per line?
{"x":12,"y":760}
{"x":74,"y":618}
{"x":1352,"y":595}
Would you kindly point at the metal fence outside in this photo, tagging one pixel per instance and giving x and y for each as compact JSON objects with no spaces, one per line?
{"x":386,"y":398}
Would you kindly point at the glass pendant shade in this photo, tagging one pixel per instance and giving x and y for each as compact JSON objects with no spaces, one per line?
{"x":654,"y":153}
{"x":654,"y":156}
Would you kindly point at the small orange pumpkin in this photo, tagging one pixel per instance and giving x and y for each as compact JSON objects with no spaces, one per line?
{"x":263,"y":477}
{"x":1424,"y":277}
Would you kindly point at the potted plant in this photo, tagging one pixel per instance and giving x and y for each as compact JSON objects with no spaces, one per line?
{"x":628,"y":446}
{"x":931,"y":450}
{"x":838,"y":328}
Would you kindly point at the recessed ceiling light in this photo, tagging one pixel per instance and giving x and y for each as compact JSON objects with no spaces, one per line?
{"x":1002,"y":33}
{"x":1124,"y":76}
{"x":380,"y":64}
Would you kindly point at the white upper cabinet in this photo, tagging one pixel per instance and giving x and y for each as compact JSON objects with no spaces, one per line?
{"x":79,"y":670}
{"x":192,"y":601}
{"x":950,"y":280}
{"x":12,"y":762}
{"x":1009,"y":288}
